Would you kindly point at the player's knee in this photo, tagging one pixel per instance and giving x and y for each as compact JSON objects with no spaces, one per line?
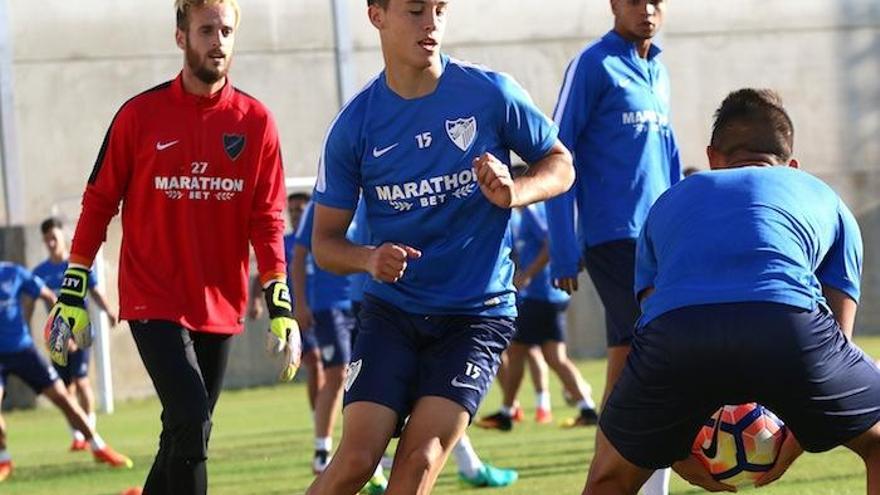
{"x":189,"y":437}
{"x":423,"y":459}
{"x":358,"y":464}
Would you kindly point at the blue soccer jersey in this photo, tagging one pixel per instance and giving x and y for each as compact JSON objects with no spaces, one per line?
{"x":613,"y":114}
{"x":414,"y":161}
{"x":52,"y":275}
{"x":325,"y":290}
{"x":759,"y":234}
{"x":530,"y":240}
{"x":359,"y":233}
{"x":15,"y":281}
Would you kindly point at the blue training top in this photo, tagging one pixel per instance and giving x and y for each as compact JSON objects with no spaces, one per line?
{"x":531,"y":236}
{"x":325,"y":290}
{"x":613,"y":114}
{"x":15,"y":280}
{"x":52,"y":275}
{"x":414,"y":161}
{"x":772,"y":234}
{"x":359,"y":234}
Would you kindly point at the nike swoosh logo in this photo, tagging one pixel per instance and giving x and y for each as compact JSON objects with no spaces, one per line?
{"x":460,"y":384}
{"x":164,"y":146}
{"x":377,"y":153}
{"x":712,"y":451}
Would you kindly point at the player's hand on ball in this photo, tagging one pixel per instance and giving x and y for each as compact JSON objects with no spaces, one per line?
{"x":789,"y":451}
{"x":495,"y":181}
{"x":388,"y":262}
{"x":694,"y":472}
{"x":69,"y":318}
{"x":283,"y":336}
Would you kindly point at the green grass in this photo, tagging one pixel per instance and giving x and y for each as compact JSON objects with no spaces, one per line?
{"x":262,"y":444}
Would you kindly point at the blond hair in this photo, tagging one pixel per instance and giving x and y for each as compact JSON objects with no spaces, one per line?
{"x":182,"y":7}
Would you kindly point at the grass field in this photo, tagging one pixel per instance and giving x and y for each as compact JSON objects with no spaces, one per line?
{"x":262,"y":444}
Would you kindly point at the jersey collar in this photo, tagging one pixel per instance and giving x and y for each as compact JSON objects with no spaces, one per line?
{"x":623,"y":45}
{"x":219,"y":98}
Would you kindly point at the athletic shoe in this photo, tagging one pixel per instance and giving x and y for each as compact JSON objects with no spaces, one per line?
{"x":490,"y":476}
{"x":587,"y":417}
{"x":5,"y":469}
{"x":112,"y":458}
{"x":135,"y":490}
{"x":320,"y":461}
{"x":543,"y":416}
{"x":497,"y":421}
{"x":518,"y":414}
{"x":376,"y":486}
{"x":78,"y":445}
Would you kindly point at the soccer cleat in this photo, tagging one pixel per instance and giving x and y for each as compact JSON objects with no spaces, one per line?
{"x":497,"y":421}
{"x":5,"y":470}
{"x":135,"y":490}
{"x":543,"y":416}
{"x":518,"y":414}
{"x":320,"y":461}
{"x":78,"y":445}
{"x":587,"y":417}
{"x":490,"y":476}
{"x":376,"y":486}
{"x":112,"y":458}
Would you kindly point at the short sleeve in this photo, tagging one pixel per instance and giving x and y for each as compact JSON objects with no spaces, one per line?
{"x":31,"y":284}
{"x":339,"y":180}
{"x":304,"y":230}
{"x":842,"y":266}
{"x":92,"y":280}
{"x":525,"y":130}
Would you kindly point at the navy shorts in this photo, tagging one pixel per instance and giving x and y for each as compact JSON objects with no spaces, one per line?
{"x":77,"y":366}
{"x":308,"y":339}
{"x":400,"y":357}
{"x":30,"y":366}
{"x":333,"y":329}
{"x":688,"y":362}
{"x":611,"y":266}
{"x":539,"y":322}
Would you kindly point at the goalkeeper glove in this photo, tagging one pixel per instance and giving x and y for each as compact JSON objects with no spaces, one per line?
{"x":283,"y":334}
{"x":69,"y":318}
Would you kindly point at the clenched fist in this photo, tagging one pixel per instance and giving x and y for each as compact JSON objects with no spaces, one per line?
{"x":495,"y":181}
{"x":388,"y":262}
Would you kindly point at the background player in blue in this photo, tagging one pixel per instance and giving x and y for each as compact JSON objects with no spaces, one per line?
{"x":19,"y":356}
{"x":541,"y":322}
{"x":749,"y":281}
{"x":325,"y":307}
{"x":613,"y":114}
{"x":76,"y":373}
{"x":428,"y":141}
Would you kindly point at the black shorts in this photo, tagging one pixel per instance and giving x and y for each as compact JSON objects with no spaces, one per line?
{"x":687,"y":363}
{"x":30,"y":366}
{"x":611,"y":266}
{"x":539,"y":322}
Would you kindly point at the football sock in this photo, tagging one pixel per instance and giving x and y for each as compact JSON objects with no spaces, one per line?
{"x":77,"y":435}
{"x":658,"y":483}
{"x":507,"y":411}
{"x":324,"y":443}
{"x":97,"y":442}
{"x":542,"y":400}
{"x":467,"y":460}
{"x":92,"y":419}
{"x":4,"y":455}
{"x":586,"y":403}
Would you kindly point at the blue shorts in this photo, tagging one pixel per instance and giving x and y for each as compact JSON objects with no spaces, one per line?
{"x":688,"y":362}
{"x":611,"y":266}
{"x":308,"y":339}
{"x":30,"y":366}
{"x":333,"y":329}
{"x":77,"y":366}
{"x":539,"y":322}
{"x":400,"y":357}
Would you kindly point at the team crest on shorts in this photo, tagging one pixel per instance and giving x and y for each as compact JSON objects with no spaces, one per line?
{"x":234,"y":145}
{"x":354,"y":369}
{"x":462,"y":132}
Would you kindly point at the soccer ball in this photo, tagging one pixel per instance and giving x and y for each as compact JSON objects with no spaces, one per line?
{"x":738,"y":444}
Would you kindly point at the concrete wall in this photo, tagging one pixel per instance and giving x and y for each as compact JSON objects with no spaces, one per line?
{"x":75,"y":63}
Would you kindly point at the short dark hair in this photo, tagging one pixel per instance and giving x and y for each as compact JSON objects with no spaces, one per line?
{"x":753,"y":120}
{"x":380,"y":3}
{"x":51,"y":223}
{"x":300,"y":196}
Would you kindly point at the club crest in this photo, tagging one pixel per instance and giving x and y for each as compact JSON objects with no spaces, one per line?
{"x":462,"y":132}
{"x":234,"y":145}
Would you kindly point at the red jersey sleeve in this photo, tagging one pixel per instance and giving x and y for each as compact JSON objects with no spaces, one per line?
{"x":105,"y":189}
{"x":266,"y":222}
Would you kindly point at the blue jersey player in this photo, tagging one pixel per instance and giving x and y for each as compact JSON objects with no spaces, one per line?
{"x":749,"y":278}
{"x":428,"y":141}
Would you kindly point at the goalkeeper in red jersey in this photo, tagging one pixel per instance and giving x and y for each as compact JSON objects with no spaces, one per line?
{"x":196,"y":164}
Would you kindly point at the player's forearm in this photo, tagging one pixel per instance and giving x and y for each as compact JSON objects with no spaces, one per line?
{"x":843,"y":307}
{"x":338,"y":255}
{"x":549,"y":177}
{"x":100,"y":300}
{"x":539,"y":263}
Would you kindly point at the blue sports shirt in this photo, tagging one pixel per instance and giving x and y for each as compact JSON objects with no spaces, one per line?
{"x":613,"y":114}
{"x":359,"y":234}
{"x":414,"y":161}
{"x":15,"y":280}
{"x":772,"y":234}
{"x":530,"y":240}
{"x":52,"y":275}
{"x":325,"y":290}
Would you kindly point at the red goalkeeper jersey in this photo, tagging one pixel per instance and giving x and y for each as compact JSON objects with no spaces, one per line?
{"x":198,"y":177}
